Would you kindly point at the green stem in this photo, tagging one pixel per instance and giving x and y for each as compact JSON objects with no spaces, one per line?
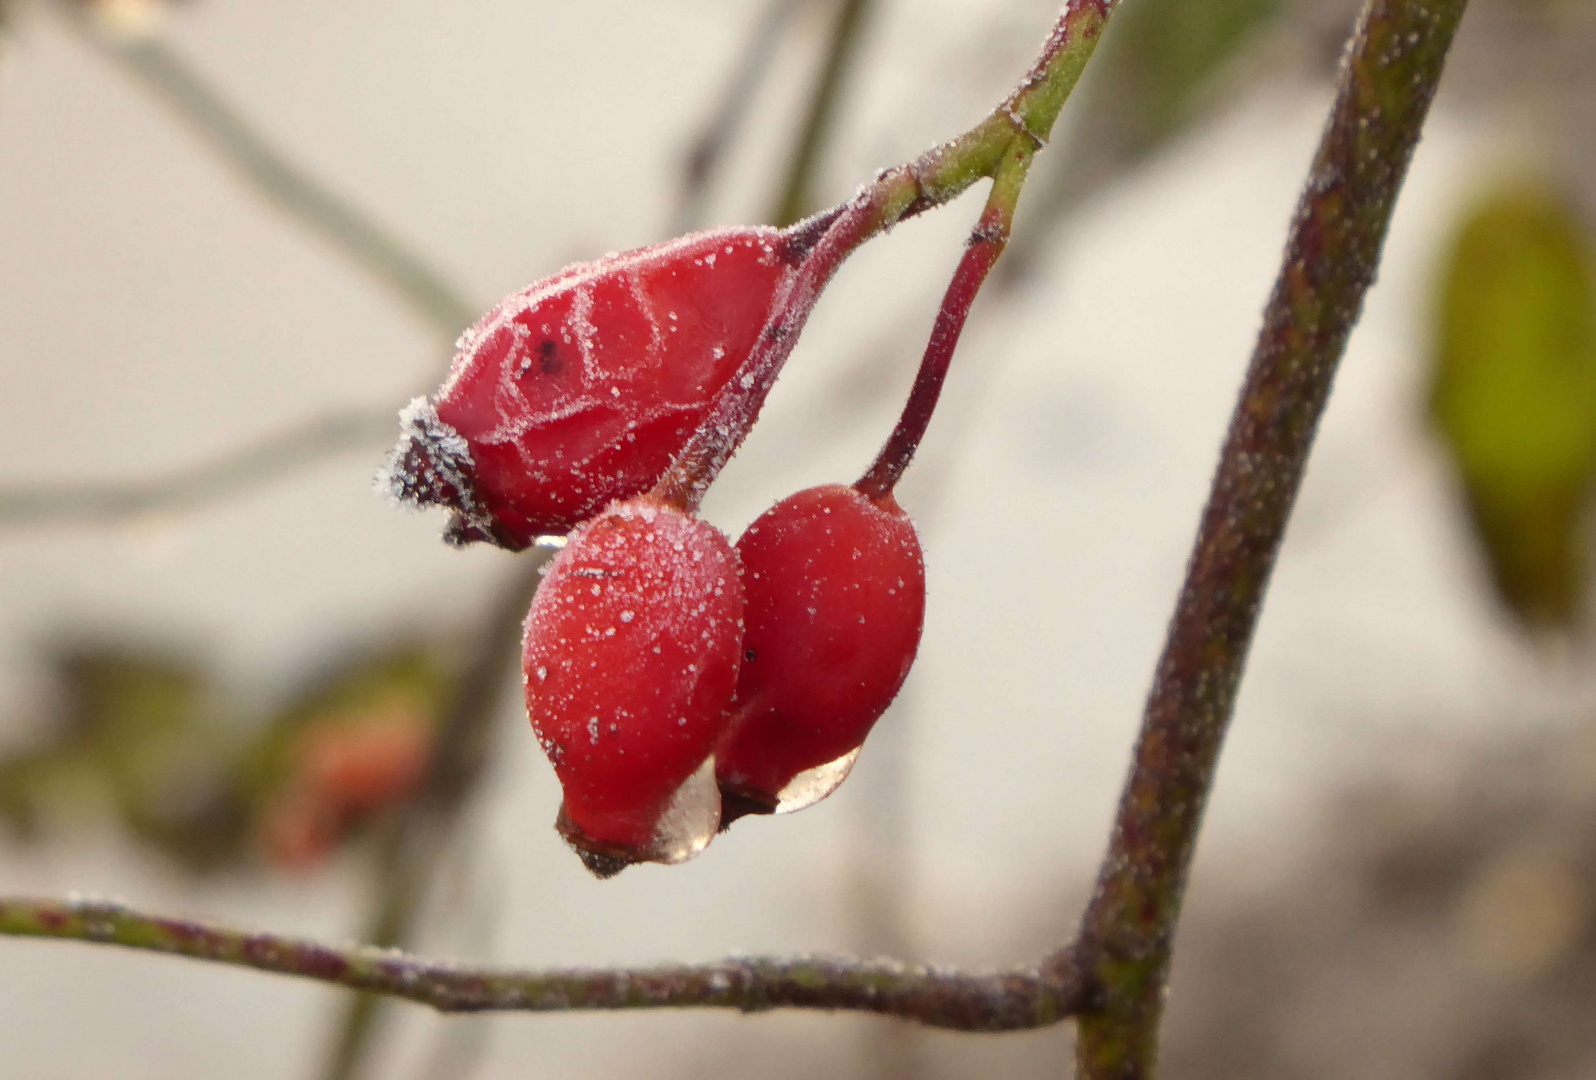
{"x":1387,"y":82}
{"x":1014,"y":1000}
{"x":934,"y":178}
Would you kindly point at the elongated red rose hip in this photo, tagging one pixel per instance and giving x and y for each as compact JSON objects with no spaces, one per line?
{"x":580,"y":388}
{"x":835,"y":586}
{"x":631,"y":655}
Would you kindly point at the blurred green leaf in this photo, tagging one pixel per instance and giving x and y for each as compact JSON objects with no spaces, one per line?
{"x":133,"y":735}
{"x":140,"y":736}
{"x":1161,"y":57}
{"x":1514,"y":395}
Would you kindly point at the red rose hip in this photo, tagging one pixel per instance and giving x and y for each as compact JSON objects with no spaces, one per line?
{"x":631,"y":655}
{"x":580,"y":388}
{"x":835,"y":586}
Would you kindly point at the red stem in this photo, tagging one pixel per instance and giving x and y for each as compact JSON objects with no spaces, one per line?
{"x":737,"y":405}
{"x":986,"y":244}
{"x":987,"y":241}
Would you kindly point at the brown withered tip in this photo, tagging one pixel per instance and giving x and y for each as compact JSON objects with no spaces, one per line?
{"x":602,"y":860}
{"x":602,"y":867}
{"x":735,"y":804}
{"x":431,"y":465}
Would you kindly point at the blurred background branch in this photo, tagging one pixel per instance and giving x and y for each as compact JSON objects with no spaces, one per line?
{"x":273,"y":174}
{"x":797,"y":196}
{"x":421,"y":834}
{"x":234,"y":473}
{"x":706,"y":151}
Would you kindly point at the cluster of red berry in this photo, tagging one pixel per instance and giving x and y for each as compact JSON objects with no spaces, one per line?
{"x":676,"y":682}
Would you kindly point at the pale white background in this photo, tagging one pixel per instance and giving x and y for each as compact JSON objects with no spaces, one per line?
{"x":155,"y":313}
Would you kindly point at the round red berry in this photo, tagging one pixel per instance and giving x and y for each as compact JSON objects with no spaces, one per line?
{"x":835,"y":586}
{"x":631,"y":655}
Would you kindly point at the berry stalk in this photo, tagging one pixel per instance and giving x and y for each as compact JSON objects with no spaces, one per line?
{"x":1000,"y":146}
{"x":987,"y":241}
{"x":738,"y":404}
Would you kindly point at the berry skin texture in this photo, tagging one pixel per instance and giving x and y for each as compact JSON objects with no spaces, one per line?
{"x":631,"y":656}
{"x":835,"y":584}
{"x":579,"y":389}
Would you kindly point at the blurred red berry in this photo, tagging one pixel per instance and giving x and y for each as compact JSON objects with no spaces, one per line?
{"x":835,"y":586}
{"x":343,"y":774}
{"x":631,"y":655}
{"x":299,"y":831}
{"x":580,"y":389}
{"x":362,"y":768}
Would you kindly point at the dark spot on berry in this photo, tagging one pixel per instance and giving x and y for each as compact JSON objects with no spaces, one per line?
{"x":749,"y":656}
{"x":548,"y":362}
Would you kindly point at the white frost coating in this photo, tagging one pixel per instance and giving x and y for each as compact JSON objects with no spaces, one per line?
{"x":421,"y":419}
{"x":656,"y":335}
{"x":580,"y":273}
{"x":812,"y":785}
{"x":691,"y":818}
{"x":581,"y":320}
{"x":443,"y":450}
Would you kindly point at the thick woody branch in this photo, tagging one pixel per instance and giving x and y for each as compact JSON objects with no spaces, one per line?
{"x":1387,"y":81}
{"x":1001,"y":1001}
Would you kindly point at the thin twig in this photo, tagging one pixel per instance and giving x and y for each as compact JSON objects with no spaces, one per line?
{"x":275,"y":177}
{"x":420,"y":837}
{"x":796,"y":193}
{"x":1014,"y":1000}
{"x":271,"y":458}
{"x":1387,"y":82}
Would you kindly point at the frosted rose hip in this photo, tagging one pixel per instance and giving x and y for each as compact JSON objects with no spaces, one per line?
{"x":631,"y":655}
{"x":835,"y":586}
{"x":580,"y":388}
